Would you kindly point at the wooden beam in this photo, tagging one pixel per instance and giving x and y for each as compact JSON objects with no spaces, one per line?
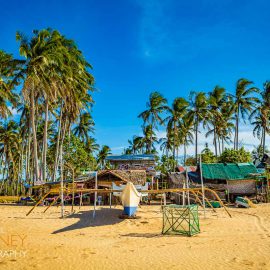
{"x":42,"y":198}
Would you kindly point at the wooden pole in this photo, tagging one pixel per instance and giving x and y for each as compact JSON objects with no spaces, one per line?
{"x":207,"y":202}
{"x":73,"y":192}
{"x":42,"y":198}
{"x":203,"y":197}
{"x":80,"y":200}
{"x":51,"y":204}
{"x":187,"y":184}
{"x":110,"y":200}
{"x":95,"y":202}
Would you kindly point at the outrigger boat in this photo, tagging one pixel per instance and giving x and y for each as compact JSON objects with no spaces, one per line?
{"x":130,"y":199}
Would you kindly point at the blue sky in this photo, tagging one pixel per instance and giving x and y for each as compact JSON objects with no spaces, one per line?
{"x":137,"y":47}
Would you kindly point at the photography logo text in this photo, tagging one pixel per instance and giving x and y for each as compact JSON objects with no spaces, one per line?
{"x":12,"y":245}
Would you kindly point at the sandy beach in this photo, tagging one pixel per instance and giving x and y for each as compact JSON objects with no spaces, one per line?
{"x":43,"y":241}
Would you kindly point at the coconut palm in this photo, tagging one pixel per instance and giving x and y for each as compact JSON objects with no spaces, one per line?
{"x":8,"y":68}
{"x":261,"y":116}
{"x":178,"y":110}
{"x":102,"y":154}
{"x":84,"y":127}
{"x":199,"y":112}
{"x":91,"y":145}
{"x":216,"y":99}
{"x":244,"y":102}
{"x":156,"y":105}
{"x":148,"y":139}
{"x":186,"y":130}
{"x":167,"y":143}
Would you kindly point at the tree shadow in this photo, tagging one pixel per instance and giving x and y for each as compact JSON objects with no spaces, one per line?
{"x":103,"y":217}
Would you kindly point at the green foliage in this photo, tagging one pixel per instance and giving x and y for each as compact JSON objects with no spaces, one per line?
{"x":75,"y":154}
{"x":166,"y":164}
{"x":235,"y":156}
{"x":208,"y":156}
{"x":191,"y":161}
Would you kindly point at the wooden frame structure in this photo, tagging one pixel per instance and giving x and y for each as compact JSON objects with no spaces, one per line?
{"x":195,"y":191}
{"x":181,"y":219}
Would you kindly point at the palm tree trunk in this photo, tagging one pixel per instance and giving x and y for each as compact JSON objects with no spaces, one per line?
{"x":32,"y":105}
{"x":196,"y":139}
{"x":185,"y":154}
{"x":264,"y":133}
{"x":174,"y":140}
{"x":44,"y":158}
{"x":61,"y":167}
{"x":237,"y":128}
{"x":215,"y":141}
{"x":57,"y":144}
{"x":219,"y":146}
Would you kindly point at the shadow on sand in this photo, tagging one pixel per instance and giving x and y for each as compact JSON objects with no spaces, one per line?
{"x":104,"y":216}
{"x":143,"y":235}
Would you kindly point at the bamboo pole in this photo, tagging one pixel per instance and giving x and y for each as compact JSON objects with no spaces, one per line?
{"x":95,"y":202}
{"x":208,"y":202}
{"x":42,"y":198}
{"x":51,"y":204}
{"x":202,"y":184}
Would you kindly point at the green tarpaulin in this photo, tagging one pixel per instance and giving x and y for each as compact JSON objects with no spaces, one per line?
{"x":228,"y":171}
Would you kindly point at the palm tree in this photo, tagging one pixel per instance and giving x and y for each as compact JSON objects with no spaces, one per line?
{"x":261,"y":113}
{"x":91,"y":145}
{"x":102,"y":154}
{"x":167,"y":143}
{"x":244,"y":102}
{"x":186,"y":129}
{"x":84,"y":127}
{"x":178,"y":110}
{"x":8,"y":68}
{"x":10,"y":141}
{"x":216,"y":99}
{"x":148,"y":139}
{"x":199,"y":113}
{"x":156,"y":105}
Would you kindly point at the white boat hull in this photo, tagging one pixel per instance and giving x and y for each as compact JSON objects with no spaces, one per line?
{"x":130,"y":199}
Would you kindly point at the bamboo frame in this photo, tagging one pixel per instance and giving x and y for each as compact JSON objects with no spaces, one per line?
{"x":42,"y":198}
{"x":51,"y":204}
{"x":195,"y":190}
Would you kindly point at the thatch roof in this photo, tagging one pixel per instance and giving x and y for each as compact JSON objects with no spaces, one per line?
{"x":137,"y":177}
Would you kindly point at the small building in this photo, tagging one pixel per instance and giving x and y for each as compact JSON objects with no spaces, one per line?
{"x":236,"y":178}
{"x":132,"y":162}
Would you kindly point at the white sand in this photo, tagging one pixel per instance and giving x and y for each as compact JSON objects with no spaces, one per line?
{"x":78,"y":242}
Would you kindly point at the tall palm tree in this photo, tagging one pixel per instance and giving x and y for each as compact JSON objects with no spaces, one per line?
{"x":8,"y":68}
{"x":91,"y":145}
{"x":148,"y":139}
{"x":216,"y":99}
{"x":186,"y":129}
{"x":261,"y":115}
{"x":167,"y":143}
{"x":179,"y":109}
{"x":199,"y":113}
{"x":102,"y":154}
{"x":156,"y":105}
{"x":84,"y":127}
{"x":244,"y":102}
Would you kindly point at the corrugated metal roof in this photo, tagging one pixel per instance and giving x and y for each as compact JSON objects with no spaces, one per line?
{"x":229,"y":171}
{"x":131,"y":157}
